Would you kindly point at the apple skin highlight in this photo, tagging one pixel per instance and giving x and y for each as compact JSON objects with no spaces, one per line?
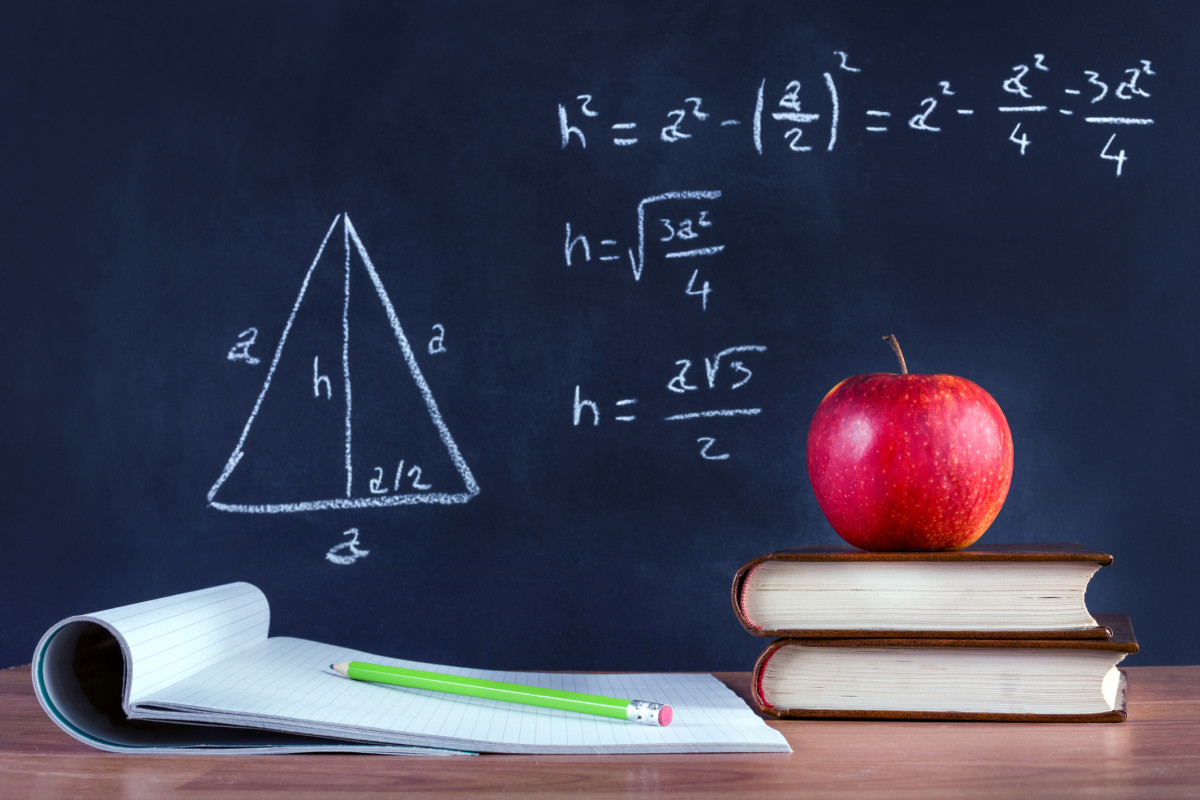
{"x":909,"y":462}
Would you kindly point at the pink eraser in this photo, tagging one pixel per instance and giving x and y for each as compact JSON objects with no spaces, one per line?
{"x":664,"y":716}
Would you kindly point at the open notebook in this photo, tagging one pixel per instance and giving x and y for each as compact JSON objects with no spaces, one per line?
{"x":198,"y":670}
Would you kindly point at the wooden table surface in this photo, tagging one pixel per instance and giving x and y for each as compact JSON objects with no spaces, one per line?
{"x":1156,"y":753}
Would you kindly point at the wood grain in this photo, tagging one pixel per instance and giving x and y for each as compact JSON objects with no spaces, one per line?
{"x":1156,"y":753}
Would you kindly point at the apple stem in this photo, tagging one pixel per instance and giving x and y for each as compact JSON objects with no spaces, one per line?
{"x":891,"y":339}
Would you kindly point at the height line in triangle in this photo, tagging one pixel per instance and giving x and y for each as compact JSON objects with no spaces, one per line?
{"x":471,"y":488}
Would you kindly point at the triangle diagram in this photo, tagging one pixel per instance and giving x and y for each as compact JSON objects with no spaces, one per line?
{"x":345,"y":418}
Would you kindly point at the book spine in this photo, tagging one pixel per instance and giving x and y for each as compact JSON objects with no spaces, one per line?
{"x":756,"y":678}
{"x":738,"y":597}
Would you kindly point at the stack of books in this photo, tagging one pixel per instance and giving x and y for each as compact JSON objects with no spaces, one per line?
{"x":991,"y":633}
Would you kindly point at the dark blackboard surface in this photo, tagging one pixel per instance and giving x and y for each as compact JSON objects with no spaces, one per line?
{"x":170,"y":171}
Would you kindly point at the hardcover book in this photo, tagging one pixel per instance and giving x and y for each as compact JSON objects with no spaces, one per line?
{"x":1000,"y":591}
{"x":1072,"y":680}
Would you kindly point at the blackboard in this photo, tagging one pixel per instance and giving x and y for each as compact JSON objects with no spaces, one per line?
{"x":602,"y":261}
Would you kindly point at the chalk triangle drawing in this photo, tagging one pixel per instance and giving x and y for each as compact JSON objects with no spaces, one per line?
{"x":329,"y":431}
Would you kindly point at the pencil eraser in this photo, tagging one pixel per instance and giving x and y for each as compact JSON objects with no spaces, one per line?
{"x":664,"y":716}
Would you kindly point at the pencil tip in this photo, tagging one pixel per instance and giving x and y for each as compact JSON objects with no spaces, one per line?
{"x":342,"y":668}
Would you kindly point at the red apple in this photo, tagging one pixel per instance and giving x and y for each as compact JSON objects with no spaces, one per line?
{"x":909,"y":462}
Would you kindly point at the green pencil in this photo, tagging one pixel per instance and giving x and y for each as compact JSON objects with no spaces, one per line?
{"x":642,"y":711}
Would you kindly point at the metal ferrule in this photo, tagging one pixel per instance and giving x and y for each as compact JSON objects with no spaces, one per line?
{"x":643,"y":711}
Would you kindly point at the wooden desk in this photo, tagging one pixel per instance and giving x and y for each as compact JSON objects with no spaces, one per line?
{"x":1155,"y":754}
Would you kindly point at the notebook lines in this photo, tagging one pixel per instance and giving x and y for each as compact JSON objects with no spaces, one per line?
{"x":155,"y":612}
{"x":174,"y":640}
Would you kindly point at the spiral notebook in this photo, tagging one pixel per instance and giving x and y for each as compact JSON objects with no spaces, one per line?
{"x":197,"y":671}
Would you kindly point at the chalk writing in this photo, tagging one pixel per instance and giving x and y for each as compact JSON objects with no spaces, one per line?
{"x":582,"y":405}
{"x":689,"y":234}
{"x":437,"y":345}
{"x":679,"y":383}
{"x":1119,"y":157}
{"x":920,"y":122}
{"x":843,"y":65}
{"x":378,"y":484}
{"x":1129,"y":88}
{"x":721,"y":373}
{"x":375,"y":491}
{"x":241,"y":350}
{"x":352,"y":554}
{"x":708,"y":442}
{"x":587,"y":412}
{"x":702,"y":292}
{"x":671,"y":226}
{"x":1023,"y":142}
{"x":793,"y":115}
{"x":1014,"y":85}
{"x":321,"y":381}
